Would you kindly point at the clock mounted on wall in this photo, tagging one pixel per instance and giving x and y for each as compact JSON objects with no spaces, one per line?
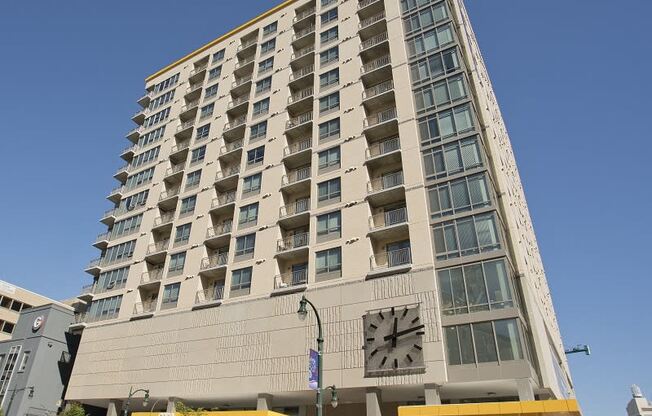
{"x":393,"y":341}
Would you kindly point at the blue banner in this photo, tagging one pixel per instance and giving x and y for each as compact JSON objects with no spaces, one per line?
{"x":313,"y":369}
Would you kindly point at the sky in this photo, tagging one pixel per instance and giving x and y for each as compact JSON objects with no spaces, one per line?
{"x":572,"y":80}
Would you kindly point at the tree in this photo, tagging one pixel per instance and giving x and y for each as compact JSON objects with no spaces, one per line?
{"x":73,"y":409}
{"x":180,"y":407}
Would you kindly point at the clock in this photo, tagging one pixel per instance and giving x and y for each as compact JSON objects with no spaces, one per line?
{"x":393,"y":341}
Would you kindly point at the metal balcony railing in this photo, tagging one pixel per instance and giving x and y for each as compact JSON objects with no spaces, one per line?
{"x":194,"y":87}
{"x":298,"y":120}
{"x":364,"y":3}
{"x":294,"y":278}
{"x":371,"y":42}
{"x":223,"y":199}
{"x":237,"y":101}
{"x":375,"y":64}
{"x":220,"y":229}
{"x":292,"y":242}
{"x":299,"y":73}
{"x":296,"y":175}
{"x":246,"y":44}
{"x":216,"y":260}
{"x":141,"y":308}
{"x":306,"y":13}
{"x":231,"y":146}
{"x":371,"y":20}
{"x":185,"y":125}
{"x":227,"y":172}
{"x":391,"y":258}
{"x":174,"y":169}
{"x":383,"y":147}
{"x":152,"y":276}
{"x":237,"y":122}
{"x":103,"y":236}
{"x":380,"y":117}
{"x":164,"y":218}
{"x":169,"y":193}
{"x":88,"y":289}
{"x":212,"y":294}
{"x":385,"y":182}
{"x":241,"y":81}
{"x":303,"y":32}
{"x":388,"y":218}
{"x":297,"y":147}
{"x":297,"y":207}
{"x":81,"y":318}
{"x":378,"y":89}
{"x":191,"y":105}
{"x":179,"y":147}
{"x":304,"y":93}
{"x":94,"y":263}
{"x":158,"y":246}
{"x":198,"y":69}
{"x":302,"y":52}
{"x":244,"y":62}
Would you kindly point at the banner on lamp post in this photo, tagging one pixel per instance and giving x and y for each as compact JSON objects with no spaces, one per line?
{"x":313,"y":369}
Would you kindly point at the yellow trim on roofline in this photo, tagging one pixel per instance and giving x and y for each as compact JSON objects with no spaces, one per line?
{"x":221,"y":38}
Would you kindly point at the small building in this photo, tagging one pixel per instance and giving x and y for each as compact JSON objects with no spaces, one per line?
{"x":638,"y":405}
{"x":35,"y":365}
{"x":13,"y":300}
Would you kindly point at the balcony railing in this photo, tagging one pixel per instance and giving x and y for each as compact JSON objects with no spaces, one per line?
{"x":302,"y":72}
{"x":216,"y":260}
{"x":298,"y":120}
{"x":371,"y":42}
{"x":241,"y":81}
{"x":164,"y":218}
{"x":391,"y":258}
{"x":306,"y":13}
{"x":169,"y":193}
{"x":304,"y":93}
{"x":141,"y":308}
{"x":388,"y":218}
{"x":123,"y":168}
{"x":223,"y":199}
{"x":88,"y":289}
{"x":94,"y":263}
{"x":297,"y":147}
{"x":295,"y":278}
{"x":236,"y":122}
{"x":237,"y":101}
{"x":185,"y":125}
{"x":371,"y":20}
{"x":181,"y":146}
{"x":191,"y":105}
{"x":158,"y":246}
{"x":297,"y":207}
{"x":244,"y":62}
{"x":386,"y":182}
{"x":292,"y":242}
{"x":81,"y":318}
{"x":150,"y":277}
{"x":246,"y":44}
{"x":194,"y":87}
{"x":231,"y":146}
{"x":303,"y":32}
{"x":212,"y":294}
{"x":174,"y":169}
{"x":380,"y":117}
{"x":375,"y":64}
{"x":364,"y":3}
{"x":103,"y":237}
{"x":378,"y":89}
{"x":197,"y":70}
{"x":227,"y":172}
{"x":302,"y":52}
{"x":218,"y":230}
{"x":296,"y":175}
{"x":383,"y":147}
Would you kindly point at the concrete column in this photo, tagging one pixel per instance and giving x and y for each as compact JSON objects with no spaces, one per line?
{"x":115,"y":408}
{"x":303,"y":410}
{"x":374,"y":401}
{"x":264,"y":402}
{"x":525,"y":390}
{"x":172,"y":405}
{"x":432,"y":394}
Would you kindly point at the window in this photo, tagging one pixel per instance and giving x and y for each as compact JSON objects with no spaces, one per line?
{"x":265,"y":65}
{"x":119,"y":252}
{"x":16,"y":305}
{"x":139,"y":178}
{"x":202,"y":132}
{"x":329,"y":261}
{"x":261,"y":107}
{"x":106,"y":308}
{"x":483,"y":342}
{"x":268,"y":46}
{"x":133,"y":201}
{"x":211,"y":91}
{"x":329,"y":129}
{"x":255,"y":156}
{"x":329,"y":190}
{"x":248,"y":215}
{"x":114,"y":279}
{"x":439,"y":94}
{"x":475,"y":287}
{"x":197,"y":155}
{"x":434,"y":66}
{"x":23,"y":363}
{"x":170,"y":295}
{"x":215,"y":72}
{"x":8,"y":328}
{"x":459,"y":156}
{"x":218,"y":56}
{"x":206,"y":111}
{"x":264,"y":85}
{"x":157,"y":118}
{"x":329,"y":103}
{"x":188,"y":205}
{"x":145,"y":157}
{"x":329,"y":158}
{"x":329,"y":16}
{"x":245,"y":245}
{"x":425,"y":18}
{"x":326,"y":3}
{"x":177,"y":261}
{"x":270,"y":28}
{"x":328,"y":35}
{"x":466,"y":236}
{"x":329,"y":225}
{"x":258,"y":130}
{"x":127,"y":226}
{"x":151,"y":137}
{"x":409,"y":5}
{"x":241,"y":279}
{"x":193,"y":178}
{"x":164,"y":85}
{"x":161,"y":100}
{"x":182,"y":235}
{"x":328,"y":56}
{"x":251,"y":184}
{"x":329,"y":78}
{"x":465,"y":194}
{"x":439,"y":126}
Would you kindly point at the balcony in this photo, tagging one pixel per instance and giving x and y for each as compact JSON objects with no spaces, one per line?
{"x":214,"y":265}
{"x":216,"y":236}
{"x":152,"y":277}
{"x":110,"y":216}
{"x":368,"y":8}
{"x":223,"y":202}
{"x":227,"y":178}
{"x":304,"y":37}
{"x":302,"y":77}
{"x":302,"y":17}
{"x":299,"y":125}
{"x":179,"y":151}
{"x":379,"y":123}
{"x":380,"y":95}
{"x":383,"y":152}
{"x":247,"y":47}
{"x":194,"y":91}
{"x":303,"y":56}
{"x":87,"y":292}
{"x":244,"y":66}
{"x":116,"y":194}
{"x":374,"y":45}
{"x":301,"y":101}
{"x":389,"y":225}
{"x":129,"y":152}
{"x":139,"y":116}
{"x":185,"y":129}
{"x":102,"y":240}
{"x":291,"y":282}
{"x":232,"y":151}
{"x":372,"y":26}
{"x":168,"y":194}
{"x":209,"y":297}
{"x":390,"y":262}
{"x":93,"y":267}
{"x":240,"y":85}
{"x":294,"y":214}
{"x":134,"y":134}
{"x":164,"y":220}
{"x":235,"y":128}
{"x":144,"y":100}
{"x":122,"y":173}
{"x":298,"y":153}
{"x":156,"y":252}
{"x":238,"y":105}
{"x":144,"y":309}
{"x":386,"y":189}
{"x":290,"y":246}
{"x":189,"y":110}
{"x":197,"y":74}
{"x":296,"y":180}
{"x":376,"y":70}
{"x":175,"y":173}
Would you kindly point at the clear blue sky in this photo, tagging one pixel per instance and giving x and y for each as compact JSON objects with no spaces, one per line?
{"x":572,"y":78}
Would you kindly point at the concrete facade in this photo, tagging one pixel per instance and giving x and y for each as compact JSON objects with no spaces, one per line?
{"x":14,"y":299}
{"x":360,"y":215}
{"x":638,"y":405}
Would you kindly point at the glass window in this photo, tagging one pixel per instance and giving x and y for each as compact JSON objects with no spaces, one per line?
{"x":330,"y":223}
{"x":434,"y":66}
{"x":197,"y":155}
{"x":170,"y":295}
{"x":325,"y":3}
{"x":151,"y":137}
{"x":483,"y":342}
{"x":177,"y":261}
{"x":182,"y":234}
{"x":329,"y":190}
{"x":270,"y":28}
{"x":328,"y":56}
{"x":211,"y":91}
{"x":206,"y":111}
{"x":193,"y":178}
{"x":329,"y":103}
{"x":245,"y":244}
{"x":188,"y":204}
{"x":119,"y":252}
{"x":423,"y":18}
{"x":218,"y":56}
{"x":255,"y":156}
{"x":105,"y":308}
{"x":329,"y":157}
{"x":329,"y":129}
{"x":329,"y":16}
{"x":215,"y":72}
{"x":114,"y":279}
{"x":460,"y":195}
{"x":455,"y":157}
{"x":248,"y":214}
{"x":328,"y":35}
{"x":466,"y":236}
{"x":268,"y":46}
{"x":508,"y":339}
{"x":329,"y":78}
{"x":241,"y":279}
{"x":437,"y":127}
{"x":329,"y":261}
{"x":264,"y":85}
{"x":202,"y":132}
{"x":23,"y":363}
{"x":258,"y":130}
{"x":439,"y":94}
{"x":261,"y":107}
{"x":251,"y":183}
{"x":266,"y":65}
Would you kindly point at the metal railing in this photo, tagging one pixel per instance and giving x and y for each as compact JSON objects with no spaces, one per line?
{"x":129,"y":149}
{"x":304,"y":93}
{"x":158,"y":246}
{"x":118,"y":189}
{"x":302,"y":52}
{"x":292,"y":242}
{"x":237,"y":122}
{"x":371,"y":20}
{"x":141,"y":308}
{"x":223,"y":199}
{"x":197,"y":70}
{"x":81,"y":318}
{"x":185,"y":125}
{"x":216,"y":260}
{"x":164,"y":218}
{"x":295,"y":278}
{"x":102,"y":237}
{"x":219,"y":230}
{"x":302,"y":15}
{"x":237,"y":101}
{"x":385,"y":182}
{"x":225,"y":173}
{"x":246,"y":44}
{"x":302,"y":72}
{"x":391,"y":258}
{"x":123,"y":168}
{"x":174,"y":169}
{"x":150,"y":277}
{"x":296,"y":175}
{"x":241,"y":81}
{"x":373,"y":41}
{"x":169,"y":193}
{"x":375,"y":64}
{"x":297,"y":147}
{"x":94,"y":263}
{"x":388,"y":218}
{"x":378,"y":89}
{"x":299,"y":120}
{"x":380,"y":117}
{"x":191,"y":105}
{"x":231,"y":146}
{"x":179,"y":147}
{"x":88,"y":289}
{"x":383,"y":147}
{"x":194,"y":87}
{"x":244,"y":62}
{"x":364,"y":3}
{"x":297,"y":207}
{"x":303,"y":32}
{"x":212,"y":294}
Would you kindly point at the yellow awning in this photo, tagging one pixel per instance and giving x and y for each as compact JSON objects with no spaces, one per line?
{"x":529,"y":408}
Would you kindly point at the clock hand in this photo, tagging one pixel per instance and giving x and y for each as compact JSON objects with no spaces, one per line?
{"x":394,"y":333}
{"x":404,"y":332}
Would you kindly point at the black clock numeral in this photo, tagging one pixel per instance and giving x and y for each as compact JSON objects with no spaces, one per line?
{"x":373,"y":326}
{"x":417,"y":346}
{"x":415,"y":320}
{"x":382,"y":363}
{"x":374,"y":352}
{"x":409,"y":358}
{"x":421,"y":333}
{"x":380,"y":314}
{"x":405,"y":311}
{"x":393,"y":311}
{"x":371,"y":339}
{"x":395,"y":363}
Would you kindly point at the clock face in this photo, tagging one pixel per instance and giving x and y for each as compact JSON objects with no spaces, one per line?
{"x":393,"y":341}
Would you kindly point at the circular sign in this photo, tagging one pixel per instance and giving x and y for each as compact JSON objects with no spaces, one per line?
{"x":38,"y":323}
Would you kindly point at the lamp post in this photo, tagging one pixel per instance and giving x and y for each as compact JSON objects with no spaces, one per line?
{"x":303,"y":312}
{"x":125,"y":411}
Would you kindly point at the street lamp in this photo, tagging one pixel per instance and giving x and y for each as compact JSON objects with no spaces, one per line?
{"x":302,"y":313}
{"x":125,"y":411}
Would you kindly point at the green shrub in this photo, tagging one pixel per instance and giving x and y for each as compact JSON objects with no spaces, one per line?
{"x":73,"y":409}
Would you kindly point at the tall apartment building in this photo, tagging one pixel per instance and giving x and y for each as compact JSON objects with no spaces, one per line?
{"x":13,"y":300}
{"x":349,"y":151}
